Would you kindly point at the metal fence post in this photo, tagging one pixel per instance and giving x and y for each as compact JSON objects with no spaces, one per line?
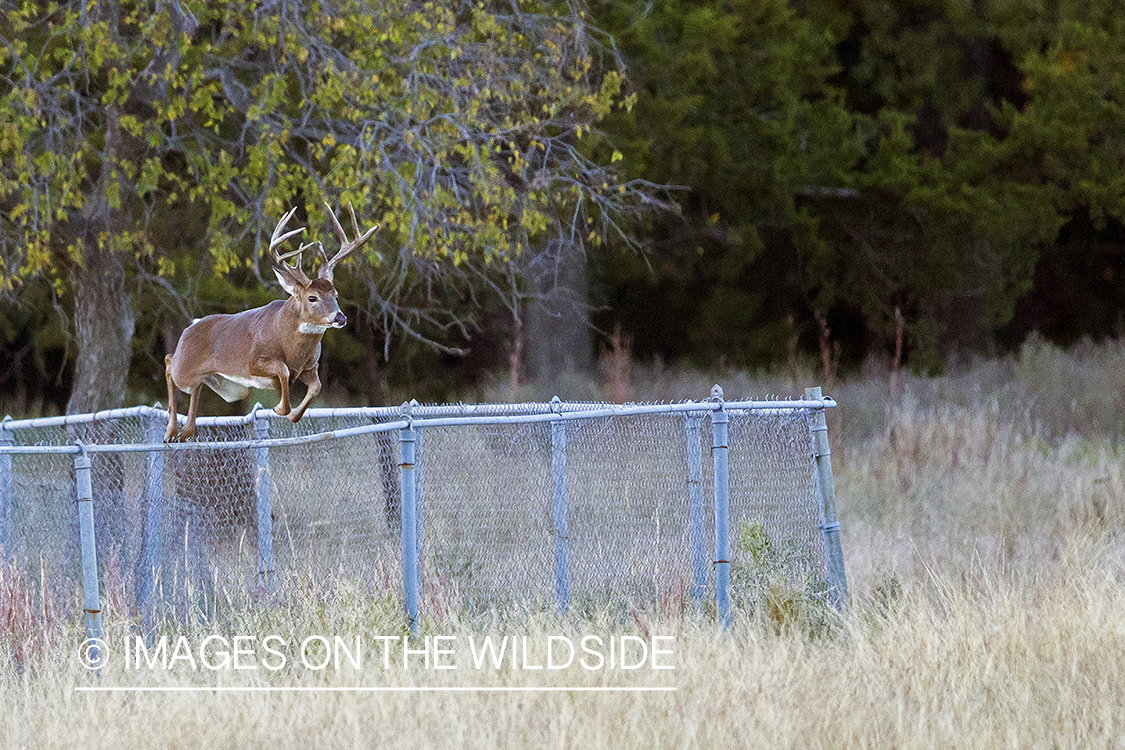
{"x":93,"y":607}
{"x":693,"y":429}
{"x":826,"y":492}
{"x":6,"y":489}
{"x":419,"y":493}
{"x":559,"y":514}
{"x":719,"y":451}
{"x":409,"y":527}
{"x":265,"y":510}
{"x":153,"y":519}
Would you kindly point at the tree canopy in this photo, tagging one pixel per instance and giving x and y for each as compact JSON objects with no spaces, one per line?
{"x":140,"y":136}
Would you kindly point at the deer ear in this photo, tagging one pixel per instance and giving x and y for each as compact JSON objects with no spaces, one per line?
{"x":288,"y":283}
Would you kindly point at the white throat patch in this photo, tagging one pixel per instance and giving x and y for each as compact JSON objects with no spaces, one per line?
{"x":311,"y":328}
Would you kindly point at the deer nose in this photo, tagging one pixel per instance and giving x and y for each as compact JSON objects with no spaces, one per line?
{"x":340,"y":320}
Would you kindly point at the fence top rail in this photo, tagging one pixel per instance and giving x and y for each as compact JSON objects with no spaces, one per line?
{"x":407,"y":416}
{"x":418,"y":411}
{"x":77,"y":419}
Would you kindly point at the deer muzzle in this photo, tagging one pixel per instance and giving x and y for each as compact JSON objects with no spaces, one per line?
{"x":340,"y":320}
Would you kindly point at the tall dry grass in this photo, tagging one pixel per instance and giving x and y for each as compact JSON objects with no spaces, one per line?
{"x":983,"y":533}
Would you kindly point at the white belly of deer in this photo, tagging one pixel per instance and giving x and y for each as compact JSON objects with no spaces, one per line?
{"x":234,"y":387}
{"x":252,"y":382}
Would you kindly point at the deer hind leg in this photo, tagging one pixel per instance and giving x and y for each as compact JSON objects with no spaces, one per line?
{"x":188,"y":429}
{"x":311,"y":378}
{"x":173,"y":423}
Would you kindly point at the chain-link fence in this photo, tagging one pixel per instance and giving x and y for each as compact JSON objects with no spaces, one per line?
{"x":455,"y":508}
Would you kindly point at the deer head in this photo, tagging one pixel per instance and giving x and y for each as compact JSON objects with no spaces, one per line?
{"x":316,"y":299}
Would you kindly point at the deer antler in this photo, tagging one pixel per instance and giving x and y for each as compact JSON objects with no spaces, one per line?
{"x":347,"y":247}
{"x":278,"y":258}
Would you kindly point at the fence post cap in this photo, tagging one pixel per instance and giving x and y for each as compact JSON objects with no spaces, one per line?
{"x":716,"y":393}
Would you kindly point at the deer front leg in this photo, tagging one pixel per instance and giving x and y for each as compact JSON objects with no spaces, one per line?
{"x":311,"y":378}
{"x":272,"y":368}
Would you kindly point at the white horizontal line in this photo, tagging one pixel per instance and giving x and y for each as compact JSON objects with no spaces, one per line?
{"x":368,"y":689}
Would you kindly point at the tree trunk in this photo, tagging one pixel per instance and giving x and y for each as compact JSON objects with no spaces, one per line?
{"x":558,"y":332}
{"x":103,"y":322}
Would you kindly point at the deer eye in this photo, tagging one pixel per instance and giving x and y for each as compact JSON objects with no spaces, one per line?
{"x":314,"y":299}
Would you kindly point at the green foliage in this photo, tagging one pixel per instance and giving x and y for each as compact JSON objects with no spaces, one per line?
{"x":991,"y":134}
{"x":919,"y":156}
{"x":755,"y":543}
{"x":732,"y":102}
{"x":453,"y":126}
{"x":761,"y":579}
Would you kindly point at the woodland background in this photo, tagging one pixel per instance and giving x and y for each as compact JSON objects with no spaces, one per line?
{"x":718,"y":185}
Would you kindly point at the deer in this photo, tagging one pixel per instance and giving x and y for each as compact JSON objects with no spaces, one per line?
{"x":268,"y":347}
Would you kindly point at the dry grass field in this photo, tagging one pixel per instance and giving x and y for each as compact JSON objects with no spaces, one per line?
{"x":983,"y":517}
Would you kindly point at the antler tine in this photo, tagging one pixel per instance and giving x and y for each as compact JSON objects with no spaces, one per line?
{"x":281,"y":224}
{"x":296,"y":252}
{"x":355,"y":224}
{"x":290,"y":254}
{"x":336,"y":223}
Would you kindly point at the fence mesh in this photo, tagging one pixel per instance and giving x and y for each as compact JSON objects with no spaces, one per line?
{"x":774,"y":507}
{"x":630,"y":523}
{"x":185,"y":530}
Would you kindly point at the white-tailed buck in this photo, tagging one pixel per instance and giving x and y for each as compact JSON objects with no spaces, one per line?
{"x":267,"y":347}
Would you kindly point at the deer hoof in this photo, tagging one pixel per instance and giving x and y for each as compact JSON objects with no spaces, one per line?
{"x":281,"y":411}
{"x":294,"y":417}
